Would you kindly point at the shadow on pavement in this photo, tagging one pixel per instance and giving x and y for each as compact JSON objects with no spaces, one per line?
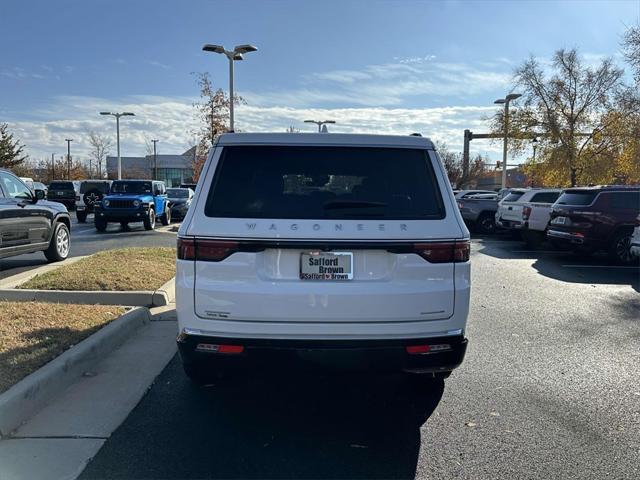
{"x":592,"y":270}
{"x":288,"y":425}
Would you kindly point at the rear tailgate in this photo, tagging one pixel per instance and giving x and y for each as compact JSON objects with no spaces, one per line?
{"x":280,"y":269}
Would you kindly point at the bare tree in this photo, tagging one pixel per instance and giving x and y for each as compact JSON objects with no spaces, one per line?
{"x":452,"y":162}
{"x":100,"y":148}
{"x":568,"y":106}
{"x":631,"y":46}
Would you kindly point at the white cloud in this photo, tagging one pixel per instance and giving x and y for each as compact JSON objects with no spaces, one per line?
{"x":171,"y":119}
{"x":155,"y":63}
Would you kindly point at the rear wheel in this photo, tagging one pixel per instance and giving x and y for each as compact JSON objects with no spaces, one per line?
{"x":60,"y":244}
{"x":82,"y":216}
{"x":101,"y":224}
{"x":166,"y":216}
{"x":150,"y":220}
{"x":486,"y":223}
{"x":620,"y":248}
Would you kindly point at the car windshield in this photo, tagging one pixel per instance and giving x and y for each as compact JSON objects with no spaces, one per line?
{"x":131,"y":187}
{"x":324,"y":183}
{"x":61,"y":186}
{"x":102,"y":187}
{"x":577,"y":197}
{"x":178,"y":193}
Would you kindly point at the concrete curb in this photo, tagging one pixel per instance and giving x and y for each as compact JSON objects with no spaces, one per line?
{"x":143,"y":298}
{"x":31,"y":393}
{"x":20,"y":278}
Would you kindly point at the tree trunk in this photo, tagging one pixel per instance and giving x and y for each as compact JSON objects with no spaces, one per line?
{"x":574,"y":180}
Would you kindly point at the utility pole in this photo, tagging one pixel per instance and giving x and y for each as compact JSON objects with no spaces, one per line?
{"x":155,"y":160}
{"x":68,"y":140}
{"x":118,"y":115}
{"x":320,"y":124}
{"x":53,"y":166}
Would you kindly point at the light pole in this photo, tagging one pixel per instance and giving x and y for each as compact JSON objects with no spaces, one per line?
{"x":505,"y":101}
{"x":68,"y":140}
{"x":118,"y":115}
{"x":155,"y":161}
{"x":320,"y":123}
{"x":535,"y":146}
{"x":233,"y":55}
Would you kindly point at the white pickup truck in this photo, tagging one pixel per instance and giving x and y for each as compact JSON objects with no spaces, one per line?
{"x":527,"y":211}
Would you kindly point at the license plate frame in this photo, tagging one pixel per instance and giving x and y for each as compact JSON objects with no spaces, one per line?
{"x":330,"y":270}
{"x":559,"y":221}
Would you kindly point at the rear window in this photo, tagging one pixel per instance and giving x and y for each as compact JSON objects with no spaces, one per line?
{"x":178,"y":193}
{"x":545,"y":197}
{"x":324,"y":183}
{"x":61,"y":186}
{"x":102,"y":187}
{"x":577,"y":198}
{"x":513,"y":197}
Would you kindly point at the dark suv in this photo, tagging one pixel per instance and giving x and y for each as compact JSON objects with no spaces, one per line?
{"x":63,"y":191}
{"x":30,"y":224}
{"x":590,"y":219}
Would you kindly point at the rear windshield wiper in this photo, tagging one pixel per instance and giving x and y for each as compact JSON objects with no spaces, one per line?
{"x":352,"y":204}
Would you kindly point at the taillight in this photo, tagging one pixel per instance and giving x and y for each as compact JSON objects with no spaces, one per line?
{"x":526,"y":212}
{"x":444,"y":252}
{"x":205,"y":250}
{"x":460,"y":205}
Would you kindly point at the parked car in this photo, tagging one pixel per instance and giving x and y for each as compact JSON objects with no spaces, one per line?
{"x":324,"y":245}
{"x":192,"y":186}
{"x":590,"y":219}
{"x":63,"y":191}
{"x":29,"y":224}
{"x":635,"y":239}
{"x":40,"y":186}
{"x":180,"y":199}
{"x":527,"y":212}
{"x":479,"y":211}
{"x":131,"y":201}
{"x":468,"y":193}
{"x":91,"y":193}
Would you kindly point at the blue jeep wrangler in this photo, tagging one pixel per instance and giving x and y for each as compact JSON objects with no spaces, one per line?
{"x":133,"y":201}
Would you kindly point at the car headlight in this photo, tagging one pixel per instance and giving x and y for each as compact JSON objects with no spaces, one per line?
{"x":106,"y":203}
{"x":136,"y":203}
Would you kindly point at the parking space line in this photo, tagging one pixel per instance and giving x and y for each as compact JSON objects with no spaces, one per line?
{"x":537,"y":251}
{"x":599,"y":266}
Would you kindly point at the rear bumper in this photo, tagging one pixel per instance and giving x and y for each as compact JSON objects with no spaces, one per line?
{"x":512,"y":224}
{"x":377,"y":355}
{"x":567,"y":237}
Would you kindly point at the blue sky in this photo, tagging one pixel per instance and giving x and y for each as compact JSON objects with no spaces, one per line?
{"x":373,"y":66}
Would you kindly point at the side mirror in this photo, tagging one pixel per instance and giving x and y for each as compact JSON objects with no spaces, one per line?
{"x":39,"y":195}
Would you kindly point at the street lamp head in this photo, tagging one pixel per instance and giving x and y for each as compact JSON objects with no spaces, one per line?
{"x":244,"y":49}
{"x":128,"y":114}
{"x":68,"y":139}
{"x":310,"y":121}
{"x":213,"y":48}
{"x":106,"y":113}
{"x":238,"y":56}
{"x":513,"y":96}
{"x":500,"y":101}
{"x":329,"y":121}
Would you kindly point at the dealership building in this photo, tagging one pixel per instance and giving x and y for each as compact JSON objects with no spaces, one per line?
{"x":172,"y":169}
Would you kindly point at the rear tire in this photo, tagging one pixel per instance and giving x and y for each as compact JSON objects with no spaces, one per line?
{"x":101,"y":224}
{"x":166,"y":216}
{"x":486,"y":223}
{"x":620,"y":248}
{"x":150,"y":220}
{"x":81,"y":216}
{"x":60,"y":244}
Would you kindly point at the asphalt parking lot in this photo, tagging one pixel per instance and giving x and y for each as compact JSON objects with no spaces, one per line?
{"x":549,"y":389}
{"x":85,"y":240}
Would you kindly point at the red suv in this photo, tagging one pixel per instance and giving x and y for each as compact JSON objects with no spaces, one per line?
{"x":590,"y":219}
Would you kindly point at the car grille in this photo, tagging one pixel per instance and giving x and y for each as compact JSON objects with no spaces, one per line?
{"x":120,"y":203}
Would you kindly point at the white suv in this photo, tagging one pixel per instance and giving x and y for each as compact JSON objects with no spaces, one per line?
{"x":339,"y":246}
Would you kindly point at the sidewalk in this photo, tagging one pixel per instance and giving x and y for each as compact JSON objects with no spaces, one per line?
{"x":60,"y":439}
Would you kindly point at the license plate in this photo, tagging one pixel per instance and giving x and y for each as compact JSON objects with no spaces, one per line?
{"x":559,"y":220}
{"x":60,"y":194}
{"x":326,"y":266}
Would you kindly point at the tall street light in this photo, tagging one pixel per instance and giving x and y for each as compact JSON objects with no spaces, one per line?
{"x":118,"y":115}
{"x":505,"y":101}
{"x":233,"y":55}
{"x":68,"y":140}
{"x":320,"y":123}
{"x":155,"y":160}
